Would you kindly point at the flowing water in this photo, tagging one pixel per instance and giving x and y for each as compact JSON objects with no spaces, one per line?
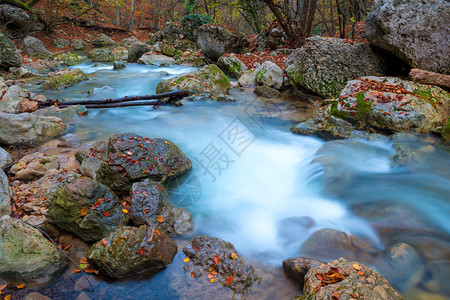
{"x":266,"y":190}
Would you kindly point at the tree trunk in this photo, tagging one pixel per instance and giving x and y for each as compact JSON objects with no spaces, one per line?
{"x":307,"y":17}
{"x":427,"y":77}
{"x":281,"y":19}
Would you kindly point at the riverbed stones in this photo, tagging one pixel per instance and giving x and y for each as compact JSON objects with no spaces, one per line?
{"x":359,"y":282}
{"x":324,"y":65}
{"x":102,"y":55}
{"x":151,"y":58}
{"x":132,"y":158}
{"x":213,"y":256}
{"x":34,"y":166}
{"x":15,"y":100}
{"x":27,"y":257}
{"x":28,"y":130}
{"x":150,"y":205}
{"x":9,"y":56}
{"x":266,"y":91}
{"x":130,"y":250}
{"x":415,"y":31}
{"x":206,"y":79}
{"x":87,"y":209}
{"x":64,"y":79}
{"x":136,"y":51}
{"x":216,"y":41}
{"x":60,"y":43}
{"x":68,"y":59}
{"x":232,"y":65}
{"x":35,"y":48}
{"x":77,"y":44}
{"x":103,"y":40}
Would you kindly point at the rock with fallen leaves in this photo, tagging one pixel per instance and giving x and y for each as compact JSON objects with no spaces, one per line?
{"x":389,"y":104}
{"x":324,"y":65}
{"x":297,"y":268}
{"x":87,"y":209}
{"x":216,"y":40}
{"x":150,"y":205}
{"x":27,"y":257}
{"x":13,"y":98}
{"x":34,"y":166}
{"x":68,"y":59}
{"x":28,"y":130}
{"x":342,"y":279}
{"x":131,"y":250}
{"x":131,"y":158}
{"x":206,"y":79}
{"x":215,"y":260}
{"x":232,"y":65}
{"x":64,"y":79}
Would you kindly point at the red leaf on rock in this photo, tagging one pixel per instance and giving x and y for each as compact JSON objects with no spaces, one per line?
{"x":336,"y":296}
{"x":229,"y":280}
{"x":106,"y":214}
{"x":141,"y":251}
{"x":216,"y":259}
{"x":104,"y":242}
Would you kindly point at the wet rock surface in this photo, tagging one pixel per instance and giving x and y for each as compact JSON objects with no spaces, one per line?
{"x":64,"y":79}
{"x":212,"y":258}
{"x":297,"y":268}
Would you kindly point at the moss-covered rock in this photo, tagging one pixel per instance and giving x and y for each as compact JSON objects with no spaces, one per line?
{"x":9,"y":57}
{"x":131,"y":250}
{"x":64,"y":79}
{"x":132,"y":158}
{"x":206,"y":79}
{"x":87,"y":209}
{"x":170,"y":50}
{"x":26,"y":256}
{"x":232,"y":65}
{"x":446,"y":131}
{"x":68,"y":59}
{"x":103,"y":55}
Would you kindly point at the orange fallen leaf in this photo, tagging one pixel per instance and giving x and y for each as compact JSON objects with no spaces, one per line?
{"x":158,"y":233}
{"x":233,"y":256}
{"x":90,"y":271}
{"x":356,"y":266}
{"x":8,"y":297}
{"x":68,"y":246}
{"x":2,"y":287}
{"x":84,"y":211}
{"x":229,"y":279}
{"x":75,"y":271}
{"x":212,"y":280}
{"x":106,"y":214}
{"x":210,"y":276}
{"x":104,"y":242}
{"x":140,"y":251}
{"x":125,"y":211}
{"x":361,"y":273}
{"x":160,"y":219}
{"x":145,"y":211}
{"x":187,"y":259}
{"x":84,"y":260}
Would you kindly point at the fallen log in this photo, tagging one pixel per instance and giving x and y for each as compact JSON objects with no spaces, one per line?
{"x":173,"y":97}
{"x":427,"y":77}
{"x":155,"y":103}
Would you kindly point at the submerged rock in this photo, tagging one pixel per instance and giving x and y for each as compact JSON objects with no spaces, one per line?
{"x":265,"y":91}
{"x":206,"y":79}
{"x":150,"y":205}
{"x":324,"y":65}
{"x":132,"y":158}
{"x":64,"y":79}
{"x":136,"y":50}
{"x":27,"y":257}
{"x":28,"y":130}
{"x":354,"y":280}
{"x":87,"y":209}
{"x":213,"y":256}
{"x":130,"y":250}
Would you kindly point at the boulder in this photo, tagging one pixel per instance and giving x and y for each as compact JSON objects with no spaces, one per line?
{"x":103,"y":41}
{"x":324,"y":65}
{"x":230,"y":64}
{"x":103,"y":55}
{"x":121,"y":53}
{"x":130,"y":251}
{"x":136,"y":50}
{"x":21,"y":72}
{"x":389,"y":104}
{"x":215,"y":41}
{"x":248,"y":78}
{"x":27,"y":257}
{"x":60,"y":43}
{"x":170,"y":50}
{"x":191,"y":23}
{"x":12,"y":97}
{"x":16,"y":19}
{"x":119,"y":65}
{"x":131,"y":158}
{"x":150,"y":205}
{"x":77,"y":44}
{"x":415,"y":31}
{"x":28,"y":130}
{"x":297,"y":268}
{"x":5,"y":199}
{"x":170,"y":33}
{"x":151,"y":58}
{"x":34,"y":166}
{"x":68,"y":59}
{"x":206,"y":79}
{"x":269,"y":74}
{"x":211,"y":256}
{"x":36,"y":296}
{"x":64,"y":79}
{"x":351,"y":280}
{"x":68,"y":115}
{"x":5,"y":158}
{"x":265,"y":91}
{"x":128,"y":42}
{"x":9,"y":55}
{"x":87,"y":209}
{"x":35,"y":48}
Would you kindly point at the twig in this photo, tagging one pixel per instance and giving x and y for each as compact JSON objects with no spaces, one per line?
{"x":49,"y":67}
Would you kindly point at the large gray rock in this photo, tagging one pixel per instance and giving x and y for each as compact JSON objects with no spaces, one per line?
{"x":151,"y":58}
{"x":354,"y":280}
{"x":60,"y":43}
{"x":324,"y":65}
{"x":128,"y":42}
{"x":77,"y":44}
{"x":5,"y":200}
{"x":27,"y":257}
{"x":9,"y":56}
{"x":103,"y":41}
{"x":416,"y":31}
{"x":216,"y":41}
{"x":103,"y":55}
{"x":17,"y":19}
{"x":136,"y":50}
{"x":87,"y":209}
{"x":63,"y":79}
{"x":28,"y":130}
{"x":232,"y":65}
{"x":269,"y":74}
{"x":5,"y":158}
{"x":297,"y":268}
{"x":34,"y":166}
{"x":16,"y":100}
{"x":130,"y":251}
{"x":35,"y":48}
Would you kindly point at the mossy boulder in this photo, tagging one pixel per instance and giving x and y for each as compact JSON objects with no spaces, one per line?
{"x":324,"y":65}
{"x":206,"y":79}
{"x":26,"y":256}
{"x":389,"y":104}
{"x":87,"y":209}
{"x":64,"y":79}
{"x":269,"y":74}
{"x":130,"y":250}
{"x":132,"y":158}
{"x":103,"y":55}
{"x":68,"y":59}
{"x":170,"y":50}
{"x":446,"y":131}
{"x":9,"y":56}
{"x":232,"y":65}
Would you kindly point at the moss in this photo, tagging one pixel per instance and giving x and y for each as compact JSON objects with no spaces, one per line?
{"x":446,"y":131}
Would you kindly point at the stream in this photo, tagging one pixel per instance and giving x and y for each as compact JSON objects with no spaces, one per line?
{"x":266,"y":190}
